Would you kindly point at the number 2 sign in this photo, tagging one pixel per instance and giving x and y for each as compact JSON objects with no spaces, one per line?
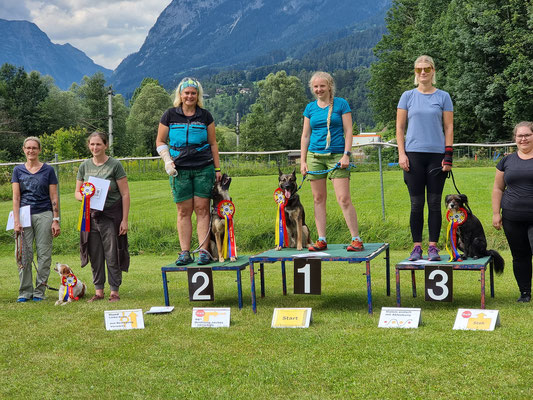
{"x":200,"y":284}
{"x":439,"y":283}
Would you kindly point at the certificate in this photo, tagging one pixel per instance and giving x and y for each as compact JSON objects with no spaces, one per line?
{"x":100,"y":194}
{"x":25,"y":218}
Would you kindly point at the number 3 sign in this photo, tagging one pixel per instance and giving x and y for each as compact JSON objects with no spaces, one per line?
{"x":200,"y":284}
{"x":439,"y":283}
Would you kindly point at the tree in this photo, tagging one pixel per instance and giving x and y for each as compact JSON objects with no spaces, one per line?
{"x":275,"y":121}
{"x":144,"y":117}
{"x":68,"y":144}
{"x":93,"y":96}
{"x":61,"y":109}
{"x":121,"y":144}
{"x":144,"y":82}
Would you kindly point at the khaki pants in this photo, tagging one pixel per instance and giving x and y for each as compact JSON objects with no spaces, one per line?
{"x":40,"y":231}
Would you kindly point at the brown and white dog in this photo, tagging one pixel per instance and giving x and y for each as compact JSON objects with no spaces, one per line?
{"x":71,"y":287}
{"x":220,"y":192}
{"x":297,"y":230}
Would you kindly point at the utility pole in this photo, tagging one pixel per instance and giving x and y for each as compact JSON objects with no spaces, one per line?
{"x":110,"y":107}
{"x":237,"y":128}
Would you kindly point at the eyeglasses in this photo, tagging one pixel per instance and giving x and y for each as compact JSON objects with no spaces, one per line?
{"x":427,"y":70}
{"x":526,"y":136}
{"x":31,"y":148}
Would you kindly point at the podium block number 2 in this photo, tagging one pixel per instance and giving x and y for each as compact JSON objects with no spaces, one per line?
{"x":200,"y":284}
{"x":307,"y":276}
{"x":439,"y":283}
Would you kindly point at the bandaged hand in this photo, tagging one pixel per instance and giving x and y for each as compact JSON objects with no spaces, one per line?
{"x":170,"y":168}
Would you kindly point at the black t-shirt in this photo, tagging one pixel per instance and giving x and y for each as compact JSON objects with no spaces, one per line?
{"x":517,"y":199}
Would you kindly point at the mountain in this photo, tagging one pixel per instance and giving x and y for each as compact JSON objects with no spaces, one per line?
{"x":194,"y":34}
{"x":24,"y":44}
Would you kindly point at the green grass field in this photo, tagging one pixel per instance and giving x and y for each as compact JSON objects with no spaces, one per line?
{"x":53,"y":352}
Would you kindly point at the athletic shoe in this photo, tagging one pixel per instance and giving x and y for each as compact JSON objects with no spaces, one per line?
{"x":416,"y":254}
{"x":22,"y":300}
{"x":38,"y":299}
{"x":433,"y":253}
{"x":525,"y":297}
{"x":184,"y":258}
{"x":318,"y":246}
{"x":204,"y":257}
{"x":356,"y":245}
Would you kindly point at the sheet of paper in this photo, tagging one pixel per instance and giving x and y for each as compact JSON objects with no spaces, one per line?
{"x":160,"y":310}
{"x":99,"y":196}
{"x":310,"y":254}
{"x":25,"y":218}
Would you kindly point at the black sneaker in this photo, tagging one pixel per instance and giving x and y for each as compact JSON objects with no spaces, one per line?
{"x":525,"y":297}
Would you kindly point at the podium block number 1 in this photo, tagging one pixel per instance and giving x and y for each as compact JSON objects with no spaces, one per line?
{"x":200,"y":284}
{"x":307,"y":276}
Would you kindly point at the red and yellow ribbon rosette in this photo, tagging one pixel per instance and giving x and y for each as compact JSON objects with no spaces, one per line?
{"x":84,"y":221}
{"x":282,"y":238}
{"x":226,"y":210}
{"x":69,"y":281}
{"x":455,"y":219}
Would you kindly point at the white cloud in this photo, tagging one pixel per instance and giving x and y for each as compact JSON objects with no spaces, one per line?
{"x":105,"y":30}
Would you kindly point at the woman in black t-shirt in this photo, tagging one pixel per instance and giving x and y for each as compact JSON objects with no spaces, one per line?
{"x":513,"y":194}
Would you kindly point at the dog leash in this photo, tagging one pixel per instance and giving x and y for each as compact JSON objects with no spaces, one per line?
{"x":324,"y":171}
{"x":449,"y":174}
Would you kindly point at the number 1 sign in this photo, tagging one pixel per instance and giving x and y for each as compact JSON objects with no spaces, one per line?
{"x":307,"y":276}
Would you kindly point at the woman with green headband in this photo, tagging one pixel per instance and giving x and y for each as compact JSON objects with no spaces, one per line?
{"x":186,"y":142}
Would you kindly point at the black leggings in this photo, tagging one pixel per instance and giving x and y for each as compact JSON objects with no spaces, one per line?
{"x":425,"y":170}
{"x":519,"y":235}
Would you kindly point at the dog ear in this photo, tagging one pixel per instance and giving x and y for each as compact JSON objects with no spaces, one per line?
{"x":447,"y":199}
{"x":464,"y":199}
{"x":280,"y":173}
{"x":294,"y":173}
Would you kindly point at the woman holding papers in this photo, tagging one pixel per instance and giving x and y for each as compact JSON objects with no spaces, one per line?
{"x":106,"y":242}
{"x":35,"y":185}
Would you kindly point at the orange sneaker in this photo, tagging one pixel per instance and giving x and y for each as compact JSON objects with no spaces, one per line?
{"x":318,"y":246}
{"x":356,"y":245}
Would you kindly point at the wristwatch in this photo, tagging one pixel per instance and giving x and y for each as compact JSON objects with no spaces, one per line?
{"x":55,"y":219}
{"x":348,"y":153}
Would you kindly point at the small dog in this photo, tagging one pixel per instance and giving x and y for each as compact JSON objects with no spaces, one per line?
{"x":470,"y":235}
{"x":297,"y":230}
{"x":220,"y":192}
{"x":67,"y":277}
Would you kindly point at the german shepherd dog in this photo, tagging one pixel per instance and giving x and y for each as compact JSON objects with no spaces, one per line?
{"x":470,"y":235}
{"x":220,"y":192}
{"x":297,"y":230}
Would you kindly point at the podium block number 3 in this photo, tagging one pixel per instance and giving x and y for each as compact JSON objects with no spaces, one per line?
{"x":439,"y":283}
{"x":200,"y":284}
{"x":307,"y":276}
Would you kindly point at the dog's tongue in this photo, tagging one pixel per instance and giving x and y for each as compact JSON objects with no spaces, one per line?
{"x":287,"y":194}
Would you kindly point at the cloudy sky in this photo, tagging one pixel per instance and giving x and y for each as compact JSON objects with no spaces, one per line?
{"x":105,"y":30}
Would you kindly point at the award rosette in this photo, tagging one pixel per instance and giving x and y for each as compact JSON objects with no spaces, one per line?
{"x":282,"y":237}
{"x":84,"y":221}
{"x":456,"y":219}
{"x":69,"y":281}
{"x":226,"y":210}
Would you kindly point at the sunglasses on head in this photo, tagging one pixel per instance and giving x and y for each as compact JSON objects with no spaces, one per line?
{"x":427,"y":70}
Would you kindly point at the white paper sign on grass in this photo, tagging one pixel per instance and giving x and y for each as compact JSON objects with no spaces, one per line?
{"x":210,"y":317}
{"x":124,"y":319}
{"x":476,"y":320}
{"x":397,"y":317}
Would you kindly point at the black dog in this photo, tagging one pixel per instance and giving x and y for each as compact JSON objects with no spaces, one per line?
{"x":470,"y":235}
{"x":297,"y":230}
{"x":220,"y":192}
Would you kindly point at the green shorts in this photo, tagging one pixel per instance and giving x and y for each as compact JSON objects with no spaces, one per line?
{"x":193,"y":182}
{"x":321,"y":162}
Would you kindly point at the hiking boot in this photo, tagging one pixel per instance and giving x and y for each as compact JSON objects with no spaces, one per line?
{"x":356,"y":245}
{"x":433,"y":253}
{"x":318,"y":246}
{"x":184,"y":258}
{"x":416,"y":254}
{"x":525,"y":297}
{"x":203,"y":257}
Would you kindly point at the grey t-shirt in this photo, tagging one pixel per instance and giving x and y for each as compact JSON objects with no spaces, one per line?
{"x":425,"y":133}
{"x":111,"y":170}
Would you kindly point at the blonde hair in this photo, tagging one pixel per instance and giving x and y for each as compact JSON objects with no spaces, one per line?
{"x":527,"y":124}
{"x":429,"y":60}
{"x":331,"y":84}
{"x":185,"y":83}
{"x":34,"y":139}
